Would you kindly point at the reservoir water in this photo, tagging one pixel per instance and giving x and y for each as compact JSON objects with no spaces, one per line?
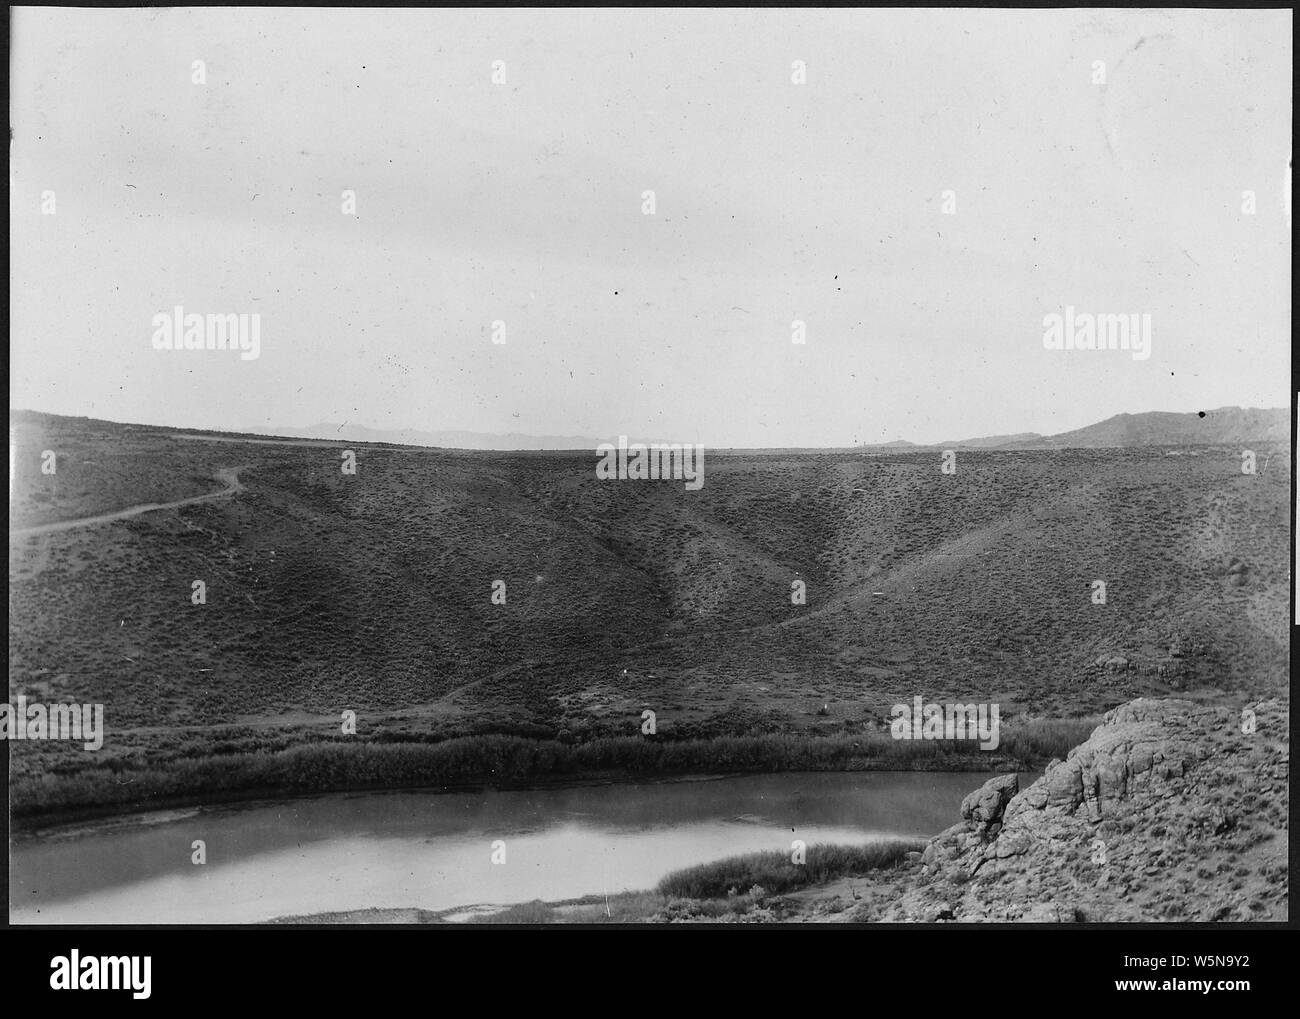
{"x":434,"y":850}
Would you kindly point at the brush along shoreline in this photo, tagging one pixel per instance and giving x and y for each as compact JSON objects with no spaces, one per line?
{"x":1169,"y":811}
{"x":40,"y":799}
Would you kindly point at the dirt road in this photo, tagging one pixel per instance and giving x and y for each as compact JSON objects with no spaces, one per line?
{"x":228,"y":475}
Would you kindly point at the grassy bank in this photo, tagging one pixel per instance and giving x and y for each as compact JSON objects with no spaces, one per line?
{"x":774,"y":873}
{"x":216,"y":771}
{"x":748,"y":886}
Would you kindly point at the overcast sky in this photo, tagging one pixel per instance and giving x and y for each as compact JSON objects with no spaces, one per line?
{"x":522,"y":202}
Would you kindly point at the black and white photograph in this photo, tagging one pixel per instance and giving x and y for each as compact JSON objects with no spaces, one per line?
{"x":648,"y":467}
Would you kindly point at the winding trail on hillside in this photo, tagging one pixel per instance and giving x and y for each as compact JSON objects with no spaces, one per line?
{"x":228,"y":475}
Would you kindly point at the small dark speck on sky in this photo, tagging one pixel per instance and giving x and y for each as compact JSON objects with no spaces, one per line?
{"x":1199,"y":414}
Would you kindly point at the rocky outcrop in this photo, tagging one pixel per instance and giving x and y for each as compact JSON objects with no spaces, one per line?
{"x":1170,"y":810}
{"x":985,"y":806}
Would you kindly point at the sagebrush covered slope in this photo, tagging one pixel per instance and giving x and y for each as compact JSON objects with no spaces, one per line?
{"x":373,"y":592}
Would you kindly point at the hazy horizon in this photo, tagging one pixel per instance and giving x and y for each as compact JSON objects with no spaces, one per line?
{"x":522,"y":202}
{"x":349,"y":432}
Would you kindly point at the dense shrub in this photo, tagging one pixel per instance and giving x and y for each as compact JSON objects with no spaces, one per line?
{"x":252,"y":764}
{"x":774,"y":871}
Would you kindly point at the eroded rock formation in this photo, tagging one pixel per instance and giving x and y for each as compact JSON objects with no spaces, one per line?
{"x":1169,"y":811}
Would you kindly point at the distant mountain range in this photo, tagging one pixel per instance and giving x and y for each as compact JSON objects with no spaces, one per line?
{"x":444,"y":439}
{"x":1224,"y":425}
{"x":994,"y":441}
{"x":1153,"y":428}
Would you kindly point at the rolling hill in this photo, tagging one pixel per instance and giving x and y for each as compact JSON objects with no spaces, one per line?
{"x":1155,"y":428}
{"x":373,"y":592}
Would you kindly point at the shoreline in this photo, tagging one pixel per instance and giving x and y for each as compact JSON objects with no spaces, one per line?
{"x":107,"y":789}
{"x":837,"y":866}
{"x":1188,"y":775}
{"x":62,"y":824}
{"x":43,"y":792}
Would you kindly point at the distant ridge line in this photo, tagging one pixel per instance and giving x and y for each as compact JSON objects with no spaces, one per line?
{"x":1151,"y":428}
